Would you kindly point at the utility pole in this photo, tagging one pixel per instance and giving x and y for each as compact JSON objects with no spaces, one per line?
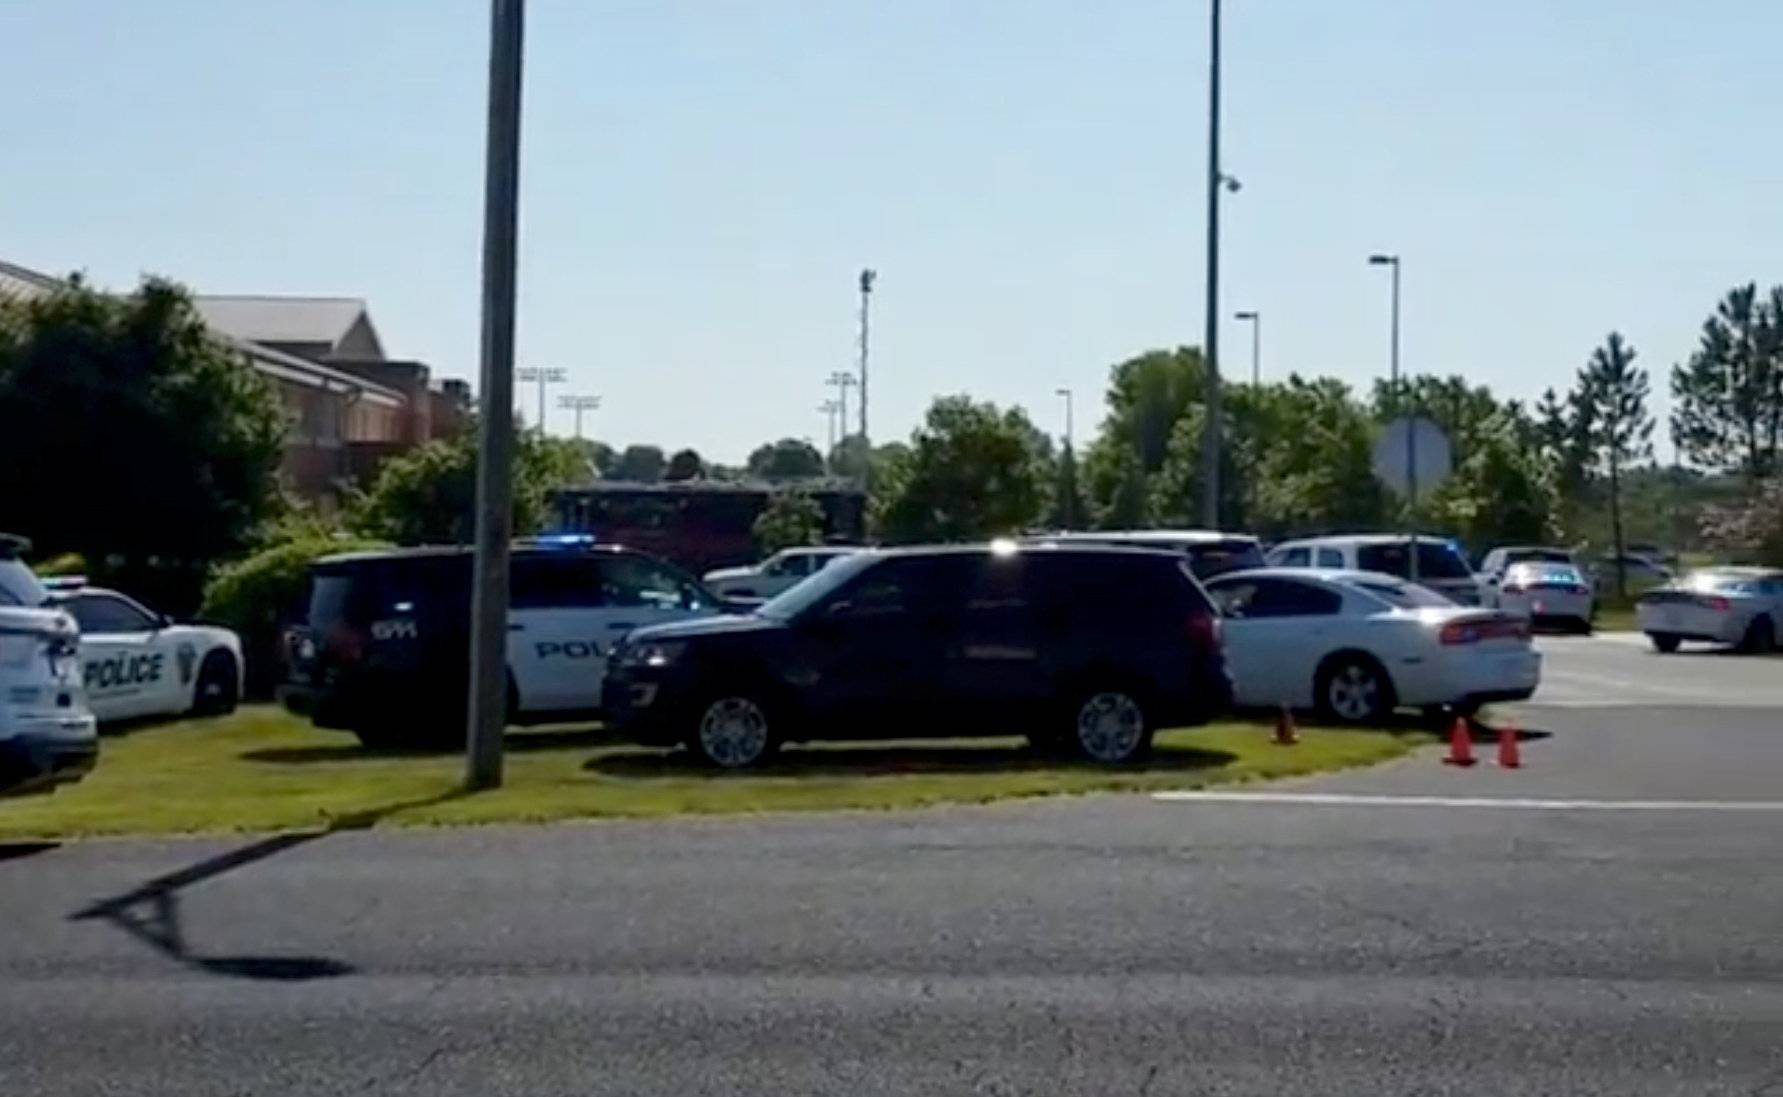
{"x":1210,"y":433}
{"x":843,"y":380}
{"x":1256,"y":321}
{"x":867,"y":279}
{"x":579,"y":404}
{"x":829,"y":409}
{"x":488,"y":701}
{"x":1403,"y":398}
{"x":543,"y":377}
{"x":1070,"y":455}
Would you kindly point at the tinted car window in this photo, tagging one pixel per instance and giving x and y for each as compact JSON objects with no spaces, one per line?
{"x":1403,"y":595}
{"x":1137,"y":588}
{"x":98,"y":613}
{"x":1294,"y":557}
{"x":1434,"y":561}
{"x":641,"y":581}
{"x":1330,"y":558}
{"x":1262,"y":598}
{"x":909,"y":585}
{"x":555,"y":583}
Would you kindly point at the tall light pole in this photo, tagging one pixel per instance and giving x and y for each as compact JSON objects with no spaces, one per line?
{"x":868,"y":277}
{"x":843,"y":380}
{"x":1066,"y":394}
{"x":544,"y":377}
{"x":579,"y":404}
{"x":1210,"y":432}
{"x":1068,"y":467}
{"x":488,"y":699}
{"x":1400,"y":397}
{"x":1256,"y":321}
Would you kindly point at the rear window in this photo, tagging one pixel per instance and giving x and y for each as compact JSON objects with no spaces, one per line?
{"x":328,"y":598}
{"x":1434,"y":561}
{"x":1137,"y":587}
{"x":1544,"y":556}
{"x":1403,"y":595}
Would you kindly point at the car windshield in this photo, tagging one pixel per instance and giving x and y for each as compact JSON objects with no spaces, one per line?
{"x":802,"y":596}
{"x":19,"y":585}
{"x":1401,"y":595}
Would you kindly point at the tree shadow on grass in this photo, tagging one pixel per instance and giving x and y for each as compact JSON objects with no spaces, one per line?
{"x":896,"y":759}
{"x":516,"y":742}
{"x":151,"y":911}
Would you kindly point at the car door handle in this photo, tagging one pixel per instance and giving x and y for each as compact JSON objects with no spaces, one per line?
{"x":623,"y":624}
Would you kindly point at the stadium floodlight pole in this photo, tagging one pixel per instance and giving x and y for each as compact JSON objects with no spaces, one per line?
{"x":1210,"y":349}
{"x":1255,"y":319}
{"x":1402,"y":397}
{"x":543,"y":377}
{"x":495,"y":427}
{"x":830,"y":408}
{"x":868,"y":277}
{"x":843,"y":380}
{"x":579,"y":404}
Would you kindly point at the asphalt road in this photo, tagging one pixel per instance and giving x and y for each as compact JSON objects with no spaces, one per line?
{"x":1098,"y":945}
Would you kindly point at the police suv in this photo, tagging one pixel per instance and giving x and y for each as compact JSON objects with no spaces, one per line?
{"x":384,"y":648}
{"x":47,"y":735}
{"x":137,"y":662}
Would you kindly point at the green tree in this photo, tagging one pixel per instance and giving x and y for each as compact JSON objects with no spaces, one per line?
{"x":791,"y":518}
{"x":1500,"y":492}
{"x":1750,"y":530}
{"x":428,"y":495}
{"x":685,"y":465}
{"x":598,"y":456}
{"x":1146,"y":397}
{"x":1068,"y":510}
{"x":1728,"y":397}
{"x":1623,"y":430}
{"x":642,"y":464}
{"x":972,"y":472}
{"x":787,"y":459}
{"x":851,"y":458}
{"x":132,"y":437}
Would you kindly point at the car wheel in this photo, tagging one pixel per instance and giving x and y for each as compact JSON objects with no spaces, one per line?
{"x":1663,"y":642}
{"x":1353,"y":689}
{"x":219,"y":685}
{"x":1110,"y":726}
{"x":1761,"y":636}
{"x":733,"y":730}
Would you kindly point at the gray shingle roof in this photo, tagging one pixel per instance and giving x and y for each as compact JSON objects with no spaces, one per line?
{"x":324,"y":320}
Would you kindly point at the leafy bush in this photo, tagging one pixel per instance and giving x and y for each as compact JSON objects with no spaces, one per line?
{"x":256,"y":595}
{"x":791,"y":518}
{"x":68,"y":563}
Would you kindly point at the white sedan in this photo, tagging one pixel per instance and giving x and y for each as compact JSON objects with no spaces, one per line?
{"x":777,"y":573}
{"x":1355,"y":645}
{"x":1547,"y":593}
{"x":1741,"y":606}
{"x":136,"y":662}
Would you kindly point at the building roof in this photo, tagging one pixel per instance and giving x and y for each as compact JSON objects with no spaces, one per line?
{"x":22,"y":282}
{"x":267,"y":319}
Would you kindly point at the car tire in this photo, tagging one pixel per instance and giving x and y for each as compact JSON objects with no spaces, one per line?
{"x":1761,"y":636}
{"x":733,"y":729}
{"x":1109,"y":726}
{"x":1664,"y":642}
{"x":1353,"y":689}
{"x":218,"y":689}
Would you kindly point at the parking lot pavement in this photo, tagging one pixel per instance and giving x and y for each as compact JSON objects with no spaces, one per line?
{"x":1621,"y":669}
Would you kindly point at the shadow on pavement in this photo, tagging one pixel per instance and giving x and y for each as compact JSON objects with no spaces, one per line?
{"x":13,"y":851}
{"x":866,"y":761}
{"x":151,"y":912}
{"x":516,"y":742}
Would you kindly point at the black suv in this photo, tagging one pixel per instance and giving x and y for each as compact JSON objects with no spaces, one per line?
{"x":1089,"y":648}
{"x":384,"y":648}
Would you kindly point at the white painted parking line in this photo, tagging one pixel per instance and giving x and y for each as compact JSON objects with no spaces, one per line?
{"x":1340,"y":799}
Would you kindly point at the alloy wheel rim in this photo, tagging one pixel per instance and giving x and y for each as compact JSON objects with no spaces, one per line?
{"x":1109,"y":726}
{"x":734,"y":731}
{"x":1353,"y":692}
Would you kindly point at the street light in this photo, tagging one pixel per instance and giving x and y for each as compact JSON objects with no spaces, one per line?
{"x":544,"y":377}
{"x":1069,"y":486}
{"x":1380,"y":259}
{"x":1256,"y":322}
{"x":579,"y":404}
{"x":829,"y":409}
{"x":843,"y":380}
{"x":868,"y":277}
{"x":1066,"y":393}
{"x":1216,"y":179}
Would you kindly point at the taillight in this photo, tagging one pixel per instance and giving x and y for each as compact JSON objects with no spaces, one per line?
{"x":1497,"y":628}
{"x":344,"y":643}
{"x":1204,"y":631}
{"x":1714,"y":601}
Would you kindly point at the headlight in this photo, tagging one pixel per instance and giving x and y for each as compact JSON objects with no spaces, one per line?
{"x":659,"y":654}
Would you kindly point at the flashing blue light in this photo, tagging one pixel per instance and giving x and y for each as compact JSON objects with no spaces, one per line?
{"x":564,"y":540}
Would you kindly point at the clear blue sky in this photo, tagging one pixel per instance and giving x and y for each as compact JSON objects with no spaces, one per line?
{"x":703,"y":178}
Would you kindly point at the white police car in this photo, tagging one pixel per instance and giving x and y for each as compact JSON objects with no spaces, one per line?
{"x":47,"y":734}
{"x":137,"y":662}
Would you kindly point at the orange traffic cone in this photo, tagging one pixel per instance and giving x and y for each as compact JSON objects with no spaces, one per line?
{"x":1509,"y":756}
{"x":1460,"y":744}
{"x":1285,"y":734}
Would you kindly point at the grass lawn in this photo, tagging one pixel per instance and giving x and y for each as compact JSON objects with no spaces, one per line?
{"x":1614,"y":614}
{"x":261,"y":769}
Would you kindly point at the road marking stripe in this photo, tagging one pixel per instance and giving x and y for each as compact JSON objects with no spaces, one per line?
{"x":1353,"y":799}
